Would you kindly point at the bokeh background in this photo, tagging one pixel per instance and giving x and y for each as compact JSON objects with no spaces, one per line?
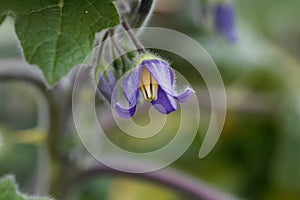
{"x":257,"y":156}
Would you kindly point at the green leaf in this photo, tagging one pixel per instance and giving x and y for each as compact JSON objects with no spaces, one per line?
{"x":56,"y":35}
{"x":2,"y":17}
{"x":9,"y":191}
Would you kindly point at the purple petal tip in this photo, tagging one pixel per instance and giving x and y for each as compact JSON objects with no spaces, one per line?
{"x":125,"y":112}
{"x":185,"y":96}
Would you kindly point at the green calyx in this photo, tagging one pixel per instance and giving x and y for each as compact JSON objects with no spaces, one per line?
{"x":147,"y":56}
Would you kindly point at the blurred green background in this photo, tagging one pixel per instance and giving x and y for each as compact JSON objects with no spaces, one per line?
{"x":257,"y":156}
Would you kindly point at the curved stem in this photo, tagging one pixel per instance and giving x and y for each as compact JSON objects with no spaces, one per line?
{"x":132,"y":36}
{"x":115,"y":45}
{"x":18,"y":76}
{"x":58,"y":100}
{"x":53,"y":126}
{"x":166,"y":177}
{"x":104,"y":38}
{"x":40,"y":84}
{"x":41,"y":184}
{"x":99,"y":49}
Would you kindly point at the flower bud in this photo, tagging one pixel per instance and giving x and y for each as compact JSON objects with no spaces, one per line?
{"x":225,"y":21}
{"x":106,"y":84}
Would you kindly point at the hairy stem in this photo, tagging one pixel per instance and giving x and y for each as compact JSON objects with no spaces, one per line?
{"x":59,"y":102}
{"x":133,"y":38}
{"x":41,"y":184}
{"x":115,"y":45}
{"x":101,"y":46}
{"x":60,"y":115}
{"x":54,"y":118}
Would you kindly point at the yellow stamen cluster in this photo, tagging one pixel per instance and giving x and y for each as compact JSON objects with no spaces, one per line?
{"x":148,"y":85}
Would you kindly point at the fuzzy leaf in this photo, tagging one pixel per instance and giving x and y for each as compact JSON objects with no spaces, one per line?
{"x":9,"y":191}
{"x":56,"y":35}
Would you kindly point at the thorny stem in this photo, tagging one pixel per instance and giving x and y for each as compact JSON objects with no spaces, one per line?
{"x":133,"y":38}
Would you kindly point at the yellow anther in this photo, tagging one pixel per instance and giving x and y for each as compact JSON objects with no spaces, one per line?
{"x":148,"y":85}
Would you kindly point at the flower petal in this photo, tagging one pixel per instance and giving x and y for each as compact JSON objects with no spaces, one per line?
{"x":107,"y":84}
{"x":125,"y":112}
{"x":162,"y":73}
{"x":131,"y":85}
{"x":185,"y":95}
{"x":131,"y":91}
{"x":164,"y":103}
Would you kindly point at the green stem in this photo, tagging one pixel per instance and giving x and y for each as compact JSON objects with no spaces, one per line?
{"x":60,"y":113}
{"x":56,"y":121}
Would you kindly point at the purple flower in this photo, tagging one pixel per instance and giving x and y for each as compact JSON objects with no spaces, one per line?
{"x":107,"y":83}
{"x":156,"y":81}
{"x":225,"y":20}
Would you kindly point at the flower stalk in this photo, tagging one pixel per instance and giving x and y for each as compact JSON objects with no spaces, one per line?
{"x":133,"y":38}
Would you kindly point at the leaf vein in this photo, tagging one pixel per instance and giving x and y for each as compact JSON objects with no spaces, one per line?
{"x":41,"y":9}
{"x":61,"y":5}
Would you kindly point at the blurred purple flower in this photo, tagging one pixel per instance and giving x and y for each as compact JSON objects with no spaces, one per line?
{"x":107,"y":83}
{"x":225,"y":20}
{"x":156,"y":80}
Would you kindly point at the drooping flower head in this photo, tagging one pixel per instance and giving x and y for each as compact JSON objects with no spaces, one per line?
{"x":155,"y":79}
{"x":107,"y":83}
{"x":224,"y":18}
